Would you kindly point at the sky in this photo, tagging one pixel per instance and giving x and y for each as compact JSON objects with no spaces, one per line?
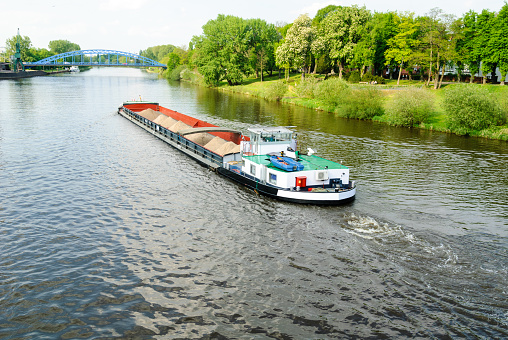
{"x":134,"y":25}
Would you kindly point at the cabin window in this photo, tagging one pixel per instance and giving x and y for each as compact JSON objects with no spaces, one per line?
{"x":253,"y":170}
{"x":272,"y":178}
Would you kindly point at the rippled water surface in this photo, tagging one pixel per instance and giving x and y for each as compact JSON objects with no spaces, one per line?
{"x":107,"y":232}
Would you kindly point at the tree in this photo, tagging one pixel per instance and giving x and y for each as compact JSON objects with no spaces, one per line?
{"x":401,"y":46}
{"x":223,"y":50}
{"x":438,"y":40}
{"x":296,"y":48}
{"x":339,"y":33}
{"x":499,"y":42}
{"x":40,"y":53}
{"x":323,"y":13}
{"x":383,"y":27}
{"x":25,"y":45}
{"x":484,"y":48}
{"x":62,"y":46}
{"x":173,"y":61}
{"x":264,"y":36}
{"x":158,"y":52}
{"x":467,"y":46}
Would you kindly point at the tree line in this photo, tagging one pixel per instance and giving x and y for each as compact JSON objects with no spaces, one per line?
{"x":338,"y":39}
{"x":344,"y":38}
{"x":33,"y":54}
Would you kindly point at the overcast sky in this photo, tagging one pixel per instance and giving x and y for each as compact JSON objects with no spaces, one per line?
{"x":133,"y":25}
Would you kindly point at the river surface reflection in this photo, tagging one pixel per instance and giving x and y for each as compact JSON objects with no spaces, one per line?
{"x":107,"y":232}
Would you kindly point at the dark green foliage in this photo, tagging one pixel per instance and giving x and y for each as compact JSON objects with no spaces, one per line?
{"x":354,"y":77}
{"x":173,"y":61}
{"x":157,"y":53}
{"x":409,"y":107}
{"x":175,"y":74}
{"x":62,"y":46}
{"x":471,"y":107}
{"x":368,"y":77}
{"x":224,"y":50}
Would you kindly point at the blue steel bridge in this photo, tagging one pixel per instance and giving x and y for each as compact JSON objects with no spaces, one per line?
{"x":104,"y":58}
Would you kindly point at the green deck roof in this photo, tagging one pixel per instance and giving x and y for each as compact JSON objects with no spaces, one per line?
{"x":309,"y":162}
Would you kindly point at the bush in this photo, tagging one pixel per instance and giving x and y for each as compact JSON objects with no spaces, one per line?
{"x":470,"y":107}
{"x":305,"y":88}
{"x":276,"y":90}
{"x":368,"y":77}
{"x":354,"y":77}
{"x":361,"y":104}
{"x":175,"y":74}
{"x":409,"y":107}
{"x":332,"y":90}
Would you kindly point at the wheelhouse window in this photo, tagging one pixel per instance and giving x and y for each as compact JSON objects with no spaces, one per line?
{"x":272,"y":178}
{"x":253,"y":169}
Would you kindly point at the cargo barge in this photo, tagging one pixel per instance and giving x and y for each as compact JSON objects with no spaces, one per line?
{"x":265,"y":160}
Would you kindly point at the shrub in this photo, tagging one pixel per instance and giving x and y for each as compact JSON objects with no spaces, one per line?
{"x":276,"y":90}
{"x":175,"y":74}
{"x":409,"y":107}
{"x":470,"y":107}
{"x":368,"y":77}
{"x":361,"y":104}
{"x":305,"y":88}
{"x":332,"y":90}
{"x":354,"y":77}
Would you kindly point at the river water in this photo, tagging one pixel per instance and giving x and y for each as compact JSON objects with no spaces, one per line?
{"x":107,"y":232}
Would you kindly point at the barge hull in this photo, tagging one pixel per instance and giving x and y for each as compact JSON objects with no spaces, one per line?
{"x":339,"y":198}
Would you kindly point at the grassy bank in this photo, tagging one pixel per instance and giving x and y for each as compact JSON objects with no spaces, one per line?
{"x":409,"y":104}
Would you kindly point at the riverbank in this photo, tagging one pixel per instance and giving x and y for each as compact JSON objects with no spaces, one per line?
{"x":21,"y":74}
{"x":373,"y":99}
{"x":28,"y":74}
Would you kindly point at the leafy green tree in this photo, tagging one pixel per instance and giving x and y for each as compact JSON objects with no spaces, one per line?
{"x":223,"y":50}
{"x":25,"y":45}
{"x":62,"y":46}
{"x":499,"y":42}
{"x":339,"y":33}
{"x":484,"y":48}
{"x":323,"y":13}
{"x":438,"y":41}
{"x":401,"y":47}
{"x":173,"y":61}
{"x":264,"y":36}
{"x":364,"y":51}
{"x":295,"y":50}
{"x":467,"y":46}
{"x":383,"y":27}
{"x":318,"y":55}
{"x":40,"y":53}
{"x":158,"y":52}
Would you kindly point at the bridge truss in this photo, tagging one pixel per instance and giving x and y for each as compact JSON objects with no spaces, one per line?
{"x":96,"y":57}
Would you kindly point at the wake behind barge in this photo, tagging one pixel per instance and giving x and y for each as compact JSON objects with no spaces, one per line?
{"x":249,"y":159}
